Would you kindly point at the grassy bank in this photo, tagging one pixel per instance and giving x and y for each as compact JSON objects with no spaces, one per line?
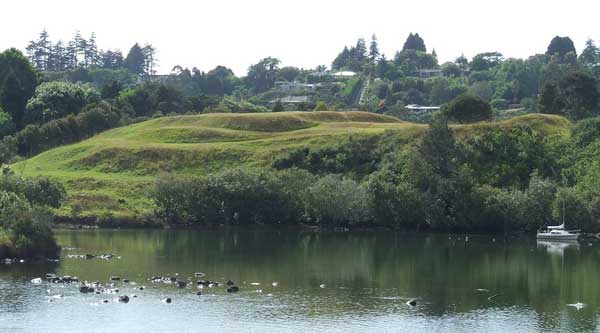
{"x":108,"y":176}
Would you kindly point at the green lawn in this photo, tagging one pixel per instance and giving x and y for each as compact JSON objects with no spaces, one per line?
{"x":109,"y":174}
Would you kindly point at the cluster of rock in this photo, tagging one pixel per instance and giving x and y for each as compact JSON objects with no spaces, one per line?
{"x":107,"y":256}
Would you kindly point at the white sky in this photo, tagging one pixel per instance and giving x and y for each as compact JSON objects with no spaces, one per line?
{"x":303,"y":33}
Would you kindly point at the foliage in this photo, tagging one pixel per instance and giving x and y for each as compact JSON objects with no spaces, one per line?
{"x":561,"y":47}
{"x":54,"y":100}
{"x":574,"y":95}
{"x":467,"y":108}
{"x":230,"y":105}
{"x":37,"y":138}
{"x":18,"y":81}
{"x":334,"y":200}
{"x":24,"y":218}
{"x":238,"y":196}
{"x":414,"y":42}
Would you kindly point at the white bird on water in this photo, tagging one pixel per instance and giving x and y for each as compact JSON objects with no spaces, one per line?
{"x":577,"y":305}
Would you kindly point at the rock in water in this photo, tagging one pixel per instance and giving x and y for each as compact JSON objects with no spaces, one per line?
{"x":229,"y":283}
{"x":115,"y":278}
{"x":233,"y":289}
{"x":36,"y":280}
{"x":167,"y":300}
{"x":412,"y":302}
{"x":124,"y":299}
{"x":86,"y":289}
{"x":199,"y":293}
{"x":199,"y":274}
{"x":322,"y":286}
{"x":275,"y":284}
{"x":181,"y":284}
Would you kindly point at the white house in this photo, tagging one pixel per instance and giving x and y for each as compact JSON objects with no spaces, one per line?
{"x":419,"y":109}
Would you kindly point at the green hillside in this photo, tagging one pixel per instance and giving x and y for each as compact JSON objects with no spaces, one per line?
{"x":109,"y":174}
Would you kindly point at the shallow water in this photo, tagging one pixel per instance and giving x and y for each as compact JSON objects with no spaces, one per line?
{"x":327,"y":281}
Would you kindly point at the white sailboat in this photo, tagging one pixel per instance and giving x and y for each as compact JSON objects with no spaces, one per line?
{"x":558,"y":233}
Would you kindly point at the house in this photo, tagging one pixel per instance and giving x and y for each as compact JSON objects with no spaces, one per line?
{"x":419,"y":109}
{"x":292,"y":100}
{"x":342,"y":74}
{"x":428,"y":73}
{"x":286,"y":86}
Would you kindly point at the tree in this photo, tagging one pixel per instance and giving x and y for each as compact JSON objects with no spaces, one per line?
{"x":467,"y":108}
{"x":561,"y":46}
{"x":414,"y":42}
{"x":411,"y":60}
{"x":150,"y":60}
{"x":54,"y":100}
{"x":590,"y":56}
{"x":91,"y":55}
{"x":580,"y":92}
{"x":438,"y":147}
{"x":575,"y":95}
{"x":261,"y":76}
{"x":18,"y":81}
{"x":7,"y":127}
{"x":111,"y":59}
{"x":289,"y":73}
{"x":486,"y":61}
{"x":374,"y":49}
{"x":135,"y":61}
{"x":111,"y":90}
{"x":550,"y":100}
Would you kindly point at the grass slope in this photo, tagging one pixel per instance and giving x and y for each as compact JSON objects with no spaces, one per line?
{"x":108,"y":175}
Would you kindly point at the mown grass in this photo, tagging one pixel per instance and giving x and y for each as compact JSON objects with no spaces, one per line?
{"x":109,"y":175}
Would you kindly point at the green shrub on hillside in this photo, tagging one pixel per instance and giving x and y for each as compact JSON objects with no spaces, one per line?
{"x":467,"y":108}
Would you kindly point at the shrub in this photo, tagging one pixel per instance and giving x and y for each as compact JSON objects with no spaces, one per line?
{"x":321,"y":106}
{"x":238,"y":196}
{"x":334,"y":200}
{"x":467,"y":108}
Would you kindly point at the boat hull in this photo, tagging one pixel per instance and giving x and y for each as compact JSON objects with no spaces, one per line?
{"x":558,"y":237}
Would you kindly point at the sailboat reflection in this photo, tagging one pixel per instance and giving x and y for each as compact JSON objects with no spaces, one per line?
{"x":558,"y":247}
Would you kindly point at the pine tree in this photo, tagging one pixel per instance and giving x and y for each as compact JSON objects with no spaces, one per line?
{"x":414,"y":42}
{"x":71,"y":54}
{"x":43,"y":50}
{"x":360,"y":50}
{"x":80,"y":49}
{"x":135,"y":61}
{"x":374,"y":49}
{"x":149,"y":59}
{"x":91,"y":52}
{"x":590,"y":56}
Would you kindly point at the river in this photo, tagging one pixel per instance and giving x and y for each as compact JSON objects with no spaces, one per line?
{"x":298,"y":280}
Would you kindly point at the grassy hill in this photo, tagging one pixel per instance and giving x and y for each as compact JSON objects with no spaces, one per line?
{"x":109,"y":174}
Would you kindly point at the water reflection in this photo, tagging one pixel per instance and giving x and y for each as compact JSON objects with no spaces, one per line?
{"x":558,"y":247}
{"x":368,"y":277}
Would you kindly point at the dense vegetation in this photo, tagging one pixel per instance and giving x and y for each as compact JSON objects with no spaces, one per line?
{"x":26,"y":216}
{"x":228,"y":153}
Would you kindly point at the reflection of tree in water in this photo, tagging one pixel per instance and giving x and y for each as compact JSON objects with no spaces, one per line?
{"x":374,"y":272}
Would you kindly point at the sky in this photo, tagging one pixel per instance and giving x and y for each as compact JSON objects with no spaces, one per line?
{"x":306,"y":33}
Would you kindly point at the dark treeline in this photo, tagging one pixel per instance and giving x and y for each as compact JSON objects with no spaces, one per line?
{"x":81,"y":52}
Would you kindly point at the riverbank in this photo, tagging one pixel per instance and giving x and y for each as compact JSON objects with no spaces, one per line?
{"x":109,"y":176}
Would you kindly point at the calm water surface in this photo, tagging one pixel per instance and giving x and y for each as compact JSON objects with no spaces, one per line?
{"x":334,"y":282}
